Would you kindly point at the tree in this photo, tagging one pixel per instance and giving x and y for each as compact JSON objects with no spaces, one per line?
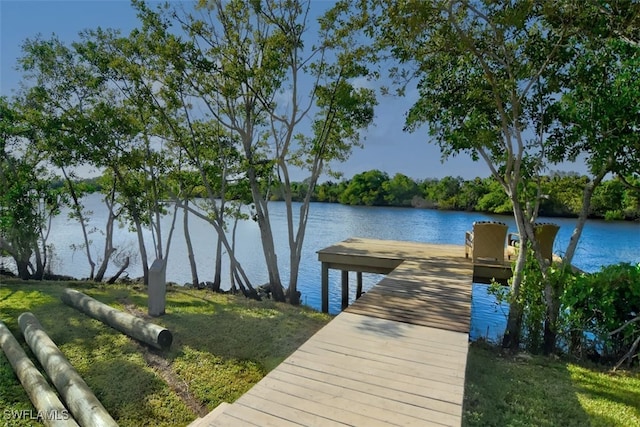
{"x":27,"y":201}
{"x":245,"y":65}
{"x":400,"y":190}
{"x":76,"y":120}
{"x":366,"y":188}
{"x":597,"y":116}
{"x":488,"y":75}
{"x":482,"y":89}
{"x":154,"y":71}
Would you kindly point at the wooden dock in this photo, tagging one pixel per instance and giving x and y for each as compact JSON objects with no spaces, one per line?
{"x":396,"y":356}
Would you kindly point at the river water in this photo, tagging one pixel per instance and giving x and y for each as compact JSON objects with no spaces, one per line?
{"x":602,"y":243}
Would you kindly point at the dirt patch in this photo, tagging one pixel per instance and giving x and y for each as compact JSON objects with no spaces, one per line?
{"x":162,"y":366}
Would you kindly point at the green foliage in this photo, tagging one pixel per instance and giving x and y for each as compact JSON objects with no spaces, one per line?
{"x":532,"y":298}
{"x":600,"y":303}
{"x":562,"y":194}
{"x":366,"y":189}
{"x":609,"y":200}
{"x":495,"y":200}
{"x":27,"y":197}
{"x":400,"y":190}
{"x":595,"y":114}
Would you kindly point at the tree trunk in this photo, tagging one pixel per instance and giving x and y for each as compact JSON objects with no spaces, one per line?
{"x":77,"y":208}
{"x":292,"y":291}
{"x":115,"y":277}
{"x":38,"y":273}
{"x":23,"y":269}
{"x":550,"y":334}
{"x":512,"y":334}
{"x":187,"y":238}
{"x":269,"y":251}
{"x":143,"y":251}
{"x":236,"y":268}
{"x":266,"y":234}
{"x":587,"y":194}
{"x":108,"y":242}
{"x":217,"y":275}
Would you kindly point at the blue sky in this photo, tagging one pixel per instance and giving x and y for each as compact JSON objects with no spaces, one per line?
{"x":387,"y":147}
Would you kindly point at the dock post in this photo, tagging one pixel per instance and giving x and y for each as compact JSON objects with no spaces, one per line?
{"x":345,"y":289}
{"x":359,"y":285}
{"x":325,"y":287}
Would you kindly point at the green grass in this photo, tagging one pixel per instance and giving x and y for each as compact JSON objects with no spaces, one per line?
{"x":527,"y":390}
{"x":224,"y":344}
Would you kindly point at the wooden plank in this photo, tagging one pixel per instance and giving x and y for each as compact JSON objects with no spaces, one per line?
{"x":438,"y":406}
{"x":366,"y":267}
{"x":345,"y":288}
{"x":225,"y":419}
{"x":334,"y":398}
{"x":426,"y":305}
{"x":400,"y":313}
{"x":430,"y":364}
{"x":294,"y":409}
{"x":311,"y":411}
{"x":384,"y":328}
{"x":393,"y":343}
{"x":325,"y":288}
{"x":366,"y":349}
{"x":426,"y":300}
{"x":208,"y":419}
{"x":244,"y":415}
{"x":447,"y":390}
{"x":429,"y":344}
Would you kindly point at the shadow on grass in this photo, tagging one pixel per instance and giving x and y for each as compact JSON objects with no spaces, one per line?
{"x":611,"y":398}
{"x":502,"y":391}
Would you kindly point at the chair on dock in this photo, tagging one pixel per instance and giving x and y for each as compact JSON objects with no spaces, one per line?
{"x":486,"y":241}
{"x":545,"y":233}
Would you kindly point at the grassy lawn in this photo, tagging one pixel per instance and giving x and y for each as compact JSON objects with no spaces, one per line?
{"x":539,"y":391}
{"x":223,"y":344}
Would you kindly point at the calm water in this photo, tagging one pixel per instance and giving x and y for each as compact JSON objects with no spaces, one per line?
{"x":602,"y":243}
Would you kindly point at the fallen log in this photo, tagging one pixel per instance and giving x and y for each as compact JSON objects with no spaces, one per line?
{"x":83,"y":404}
{"x":133,"y":326}
{"x":50,"y":409}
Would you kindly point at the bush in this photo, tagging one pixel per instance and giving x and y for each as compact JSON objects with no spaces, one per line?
{"x":597,"y":304}
{"x":532,"y":300}
{"x":615,"y":215}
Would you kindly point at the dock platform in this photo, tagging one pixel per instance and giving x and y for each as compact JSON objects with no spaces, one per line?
{"x":395,"y":357}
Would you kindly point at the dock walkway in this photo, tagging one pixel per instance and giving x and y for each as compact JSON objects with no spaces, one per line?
{"x":396,"y":356}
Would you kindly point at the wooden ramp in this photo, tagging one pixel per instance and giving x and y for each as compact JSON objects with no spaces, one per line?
{"x":396,"y":357}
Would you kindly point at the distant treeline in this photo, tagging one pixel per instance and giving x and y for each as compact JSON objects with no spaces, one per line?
{"x":562,"y":194}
